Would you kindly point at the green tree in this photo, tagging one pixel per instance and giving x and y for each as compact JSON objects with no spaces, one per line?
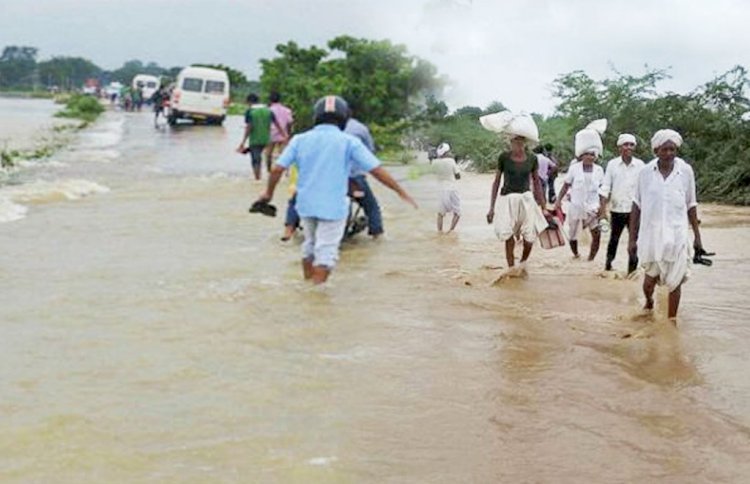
{"x":709,"y":119}
{"x":381,"y":79}
{"x":67,"y":72}
{"x":17,"y":66}
{"x":132,"y":68}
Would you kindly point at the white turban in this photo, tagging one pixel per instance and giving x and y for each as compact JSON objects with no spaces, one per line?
{"x":442,"y":149}
{"x":588,"y":141}
{"x":625,"y":138}
{"x":664,"y":135}
{"x":598,"y":125}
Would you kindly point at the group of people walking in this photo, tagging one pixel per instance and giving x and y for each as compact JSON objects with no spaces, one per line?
{"x":655,"y":201}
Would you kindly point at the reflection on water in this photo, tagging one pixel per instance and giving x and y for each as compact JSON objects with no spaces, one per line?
{"x":159,"y":333}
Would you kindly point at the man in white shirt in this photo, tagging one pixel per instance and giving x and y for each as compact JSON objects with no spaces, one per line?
{"x":618,"y":189}
{"x":664,"y":204}
{"x":447,"y":173}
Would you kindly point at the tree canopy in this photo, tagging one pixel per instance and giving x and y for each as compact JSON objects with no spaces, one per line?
{"x":380,"y":79}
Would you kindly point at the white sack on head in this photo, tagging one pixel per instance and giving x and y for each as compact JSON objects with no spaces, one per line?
{"x":442,"y":149}
{"x":511,"y":125}
{"x":664,"y":135}
{"x":598,"y":125}
{"x":625,"y":138}
{"x":588,"y":141}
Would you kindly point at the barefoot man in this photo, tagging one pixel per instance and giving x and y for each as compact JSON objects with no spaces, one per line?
{"x":663,"y":206}
{"x":521,"y":202}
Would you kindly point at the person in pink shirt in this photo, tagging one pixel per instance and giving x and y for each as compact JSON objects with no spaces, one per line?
{"x":285,"y":118}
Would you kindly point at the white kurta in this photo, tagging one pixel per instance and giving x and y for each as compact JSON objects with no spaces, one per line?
{"x":584,"y":190}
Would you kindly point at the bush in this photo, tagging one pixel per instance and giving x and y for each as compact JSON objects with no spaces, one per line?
{"x":81,"y":107}
{"x":468,"y":140}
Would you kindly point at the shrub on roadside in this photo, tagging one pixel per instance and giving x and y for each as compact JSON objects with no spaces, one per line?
{"x":81,"y":107}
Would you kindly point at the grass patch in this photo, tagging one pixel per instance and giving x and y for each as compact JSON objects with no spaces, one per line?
{"x":85,"y":108}
{"x":236,"y":109}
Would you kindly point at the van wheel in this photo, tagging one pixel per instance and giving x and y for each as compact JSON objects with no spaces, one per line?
{"x":219,"y":121}
{"x":171,"y":120}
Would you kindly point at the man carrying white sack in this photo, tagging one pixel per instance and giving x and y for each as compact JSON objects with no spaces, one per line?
{"x":447,"y":173}
{"x":583,"y":181}
{"x":520,"y":213}
{"x":663,"y":204}
{"x":618,"y":189}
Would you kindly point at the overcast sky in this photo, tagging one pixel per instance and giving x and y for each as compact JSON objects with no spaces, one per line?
{"x":509,"y":51}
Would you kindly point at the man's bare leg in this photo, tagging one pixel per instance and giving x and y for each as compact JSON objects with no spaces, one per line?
{"x":596,"y":237}
{"x":674,"y":303}
{"x":574,"y":248}
{"x":510,"y":246}
{"x":256,"y":171}
{"x":440,"y":222}
{"x":320,"y":274}
{"x":454,"y":222}
{"x":269,"y":156}
{"x":307,"y":268}
{"x":649,"y":284}
{"x":527,"y":246}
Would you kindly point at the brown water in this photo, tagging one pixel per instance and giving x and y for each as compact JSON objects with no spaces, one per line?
{"x":159,"y":333}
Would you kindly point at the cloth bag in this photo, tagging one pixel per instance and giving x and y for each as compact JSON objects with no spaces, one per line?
{"x":509,"y":124}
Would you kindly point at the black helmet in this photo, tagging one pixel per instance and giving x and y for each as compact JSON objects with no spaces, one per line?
{"x":332,"y":110}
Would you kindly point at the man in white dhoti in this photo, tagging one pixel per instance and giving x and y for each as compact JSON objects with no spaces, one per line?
{"x":447,"y":173}
{"x":521,"y":202}
{"x":664,"y":205}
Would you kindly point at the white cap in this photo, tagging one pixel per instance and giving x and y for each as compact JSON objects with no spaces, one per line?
{"x":626,"y":138}
{"x":664,"y":135}
{"x":442,"y":149}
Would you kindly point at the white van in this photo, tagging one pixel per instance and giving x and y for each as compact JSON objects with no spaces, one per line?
{"x":201,"y":94}
{"x":147,"y":83}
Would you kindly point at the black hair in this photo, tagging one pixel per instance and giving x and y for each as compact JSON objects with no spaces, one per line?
{"x":275,"y":97}
{"x":549,"y":147}
{"x":252,"y":98}
{"x":538,"y":149}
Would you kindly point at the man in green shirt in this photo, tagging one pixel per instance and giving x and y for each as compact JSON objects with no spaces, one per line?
{"x":258,"y":120}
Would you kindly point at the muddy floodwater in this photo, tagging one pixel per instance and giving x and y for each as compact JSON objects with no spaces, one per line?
{"x":151,"y":330}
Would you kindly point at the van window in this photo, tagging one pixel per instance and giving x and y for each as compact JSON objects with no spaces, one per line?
{"x":151,"y":84}
{"x":215,"y":87}
{"x":192,"y":84}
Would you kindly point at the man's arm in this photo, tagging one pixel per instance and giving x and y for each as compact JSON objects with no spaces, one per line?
{"x":634,"y":224}
{"x":275,"y":122}
{"x":605,"y":192}
{"x":538,"y":194}
{"x":692,"y":203}
{"x":273,"y":180}
{"x":246,"y":134}
{"x":561,"y":195}
{"x":493,"y":195}
{"x":386,"y":179}
{"x":695,"y":224}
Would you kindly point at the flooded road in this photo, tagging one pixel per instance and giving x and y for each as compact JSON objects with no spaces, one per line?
{"x":154,"y":331}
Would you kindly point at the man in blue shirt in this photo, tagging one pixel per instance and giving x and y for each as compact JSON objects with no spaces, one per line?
{"x":368,"y":201}
{"x":325,"y":156}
